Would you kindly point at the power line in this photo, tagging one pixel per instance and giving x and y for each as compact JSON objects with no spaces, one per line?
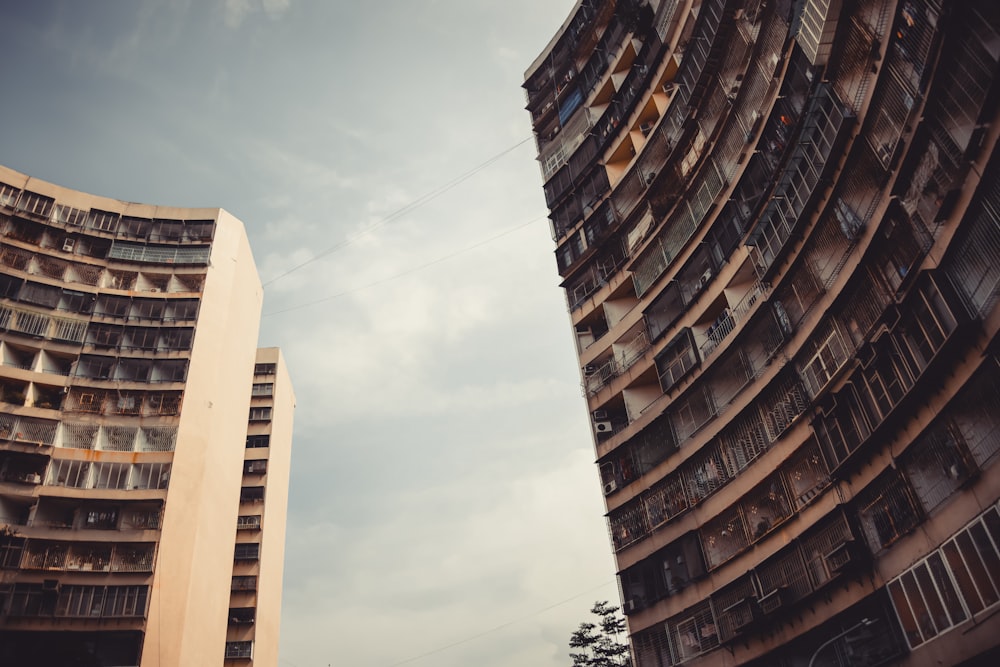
{"x":470,"y":638}
{"x":406,"y":208}
{"x":407,"y":272}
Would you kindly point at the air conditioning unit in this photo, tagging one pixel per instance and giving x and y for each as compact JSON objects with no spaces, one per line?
{"x":610,"y":487}
{"x":602,"y":427}
{"x":68,"y":245}
{"x":773,"y":601}
{"x":600,"y":415}
{"x":742,"y":615}
{"x":590,"y":369}
{"x":843,"y":556}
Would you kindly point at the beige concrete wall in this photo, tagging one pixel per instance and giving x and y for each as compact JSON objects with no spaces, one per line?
{"x":188,"y":606}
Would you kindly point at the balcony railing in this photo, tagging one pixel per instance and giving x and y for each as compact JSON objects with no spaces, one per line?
{"x":633,"y":351}
{"x":88,"y":557}
{"x":239,"y":650}
{"x":248,"y":522}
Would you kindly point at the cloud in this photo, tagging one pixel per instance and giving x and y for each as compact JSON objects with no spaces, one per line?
{"x":275,"y":8}
{"x":236,"y":11}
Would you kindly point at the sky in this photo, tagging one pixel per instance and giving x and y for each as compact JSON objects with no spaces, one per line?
{"x":444,"y":509}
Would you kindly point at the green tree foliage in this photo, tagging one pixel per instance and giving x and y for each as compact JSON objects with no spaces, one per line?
{"x":601,"y":644}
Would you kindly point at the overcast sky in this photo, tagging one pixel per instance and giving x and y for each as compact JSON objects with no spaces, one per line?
{"x":444,"y":507}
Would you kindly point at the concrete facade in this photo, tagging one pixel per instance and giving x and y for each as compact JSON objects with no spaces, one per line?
{"x":128,"y":335}
{"x":778,"y":229}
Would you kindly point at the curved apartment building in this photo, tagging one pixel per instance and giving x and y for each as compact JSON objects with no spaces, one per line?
{"x":778,"y":229}
{"x":128,"y":338}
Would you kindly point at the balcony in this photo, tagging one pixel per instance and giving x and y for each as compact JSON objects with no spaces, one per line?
{"x":248,"y":522}
{"x":252,"y":494}
{"x":241,"y":650}
{"x":255,"y":467}
{"x":247,"y":551}
{"x":242,"y":616}
{"x":244,"y":583}
{"x":88,"y":557}
{"x":27,"y":429}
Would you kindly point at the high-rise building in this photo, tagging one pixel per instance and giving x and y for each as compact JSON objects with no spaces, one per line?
{"x":128,"y":345}
{"x":778,"y":229}
{"x":258,"y":557}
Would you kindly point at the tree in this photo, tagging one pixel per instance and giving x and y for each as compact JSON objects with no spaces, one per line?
{"x":602,"y":643}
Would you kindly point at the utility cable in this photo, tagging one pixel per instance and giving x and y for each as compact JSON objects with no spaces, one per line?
{"x":406,"y":208}
{"x":407,"y":272}
{"x":507,"y":624}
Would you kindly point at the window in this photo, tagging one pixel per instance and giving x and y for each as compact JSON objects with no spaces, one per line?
{"x":8,"y":194}
{"x":112,"y":306}
{"x":830,"y":354}
{"x":170,"y":370}
{"x":244,"y":583}
{"x":264,"y":369}
{"x":952,"y":583}
{"x":103,"y":221}
{"x":628,"y":525}
{"x":676,"y":360}
{"x":262,"y":414}
{"x":841,"y":433}
{"x":692,"y":632}
{"x":176,"y":339}
{"x":147,"y":309}
{"x":134,"y":370}
{"x":262,"y":389}
{"x":10,"y":551}
{"x":42,"y":295}
{"x":135,"y":227}
{"x":68,"y":215}
{"x":252,"y":494}
{"x":36,"y":204}
{"x":887,"y":510}
{"x":255,"y":467}
{"x":126,"y":601}
{"x":724,"y":536}
{"x":77,"y":302}
{"x":151,"y":476}
{"x":102,"y":519}
{"x":930,"y":322}
{"x":142,"y":338}
{"x":938,"y":463}
{"x":247,"y":551}
{"x":80,"y":601}
{"x":242,"y":615}
{"x":95,"y":367}
{"x":101,"y":601}
{"x":69,"y":473}
{"x":241,"y":649}
{"x":255,"y":441}
{"x":111,"y":475}
{"x":181,"y":309}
